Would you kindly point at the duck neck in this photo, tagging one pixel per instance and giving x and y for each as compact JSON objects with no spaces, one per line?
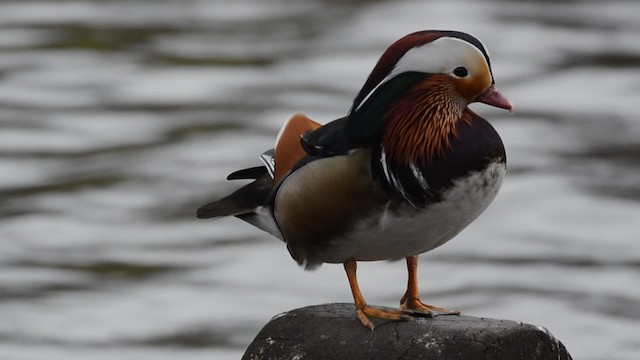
{"x":420,"y":125}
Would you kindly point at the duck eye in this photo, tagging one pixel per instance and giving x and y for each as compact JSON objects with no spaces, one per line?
{"x":460,"y":71}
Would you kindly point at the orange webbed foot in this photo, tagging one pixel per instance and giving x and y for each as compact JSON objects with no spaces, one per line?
{"x":364,"y":312}
{"x":413,"y":306}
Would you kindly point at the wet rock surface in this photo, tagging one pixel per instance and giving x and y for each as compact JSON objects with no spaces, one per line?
{"x":331,"y":331}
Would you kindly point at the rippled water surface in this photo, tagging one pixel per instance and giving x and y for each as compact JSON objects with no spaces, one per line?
{"x":119,"y":118}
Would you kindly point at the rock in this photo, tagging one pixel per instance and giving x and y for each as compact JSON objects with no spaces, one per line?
{"x":331,"y":331}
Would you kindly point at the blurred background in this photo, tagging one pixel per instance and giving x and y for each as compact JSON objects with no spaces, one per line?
{"x":119,"y":118}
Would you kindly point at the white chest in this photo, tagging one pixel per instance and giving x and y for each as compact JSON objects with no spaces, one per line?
{"x":393,"y":233}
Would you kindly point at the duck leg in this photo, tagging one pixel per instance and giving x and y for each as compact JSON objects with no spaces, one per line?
{"x":363,"y":311}
{"x":410,"y":302}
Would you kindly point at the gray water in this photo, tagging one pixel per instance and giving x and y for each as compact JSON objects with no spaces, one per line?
{"x":119,"y":118}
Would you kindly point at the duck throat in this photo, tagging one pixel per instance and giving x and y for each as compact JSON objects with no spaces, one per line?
{"x":420,"y":126}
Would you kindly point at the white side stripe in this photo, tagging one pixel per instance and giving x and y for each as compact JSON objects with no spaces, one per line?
{"x":418,"y":175}
{"x":391,"y":179}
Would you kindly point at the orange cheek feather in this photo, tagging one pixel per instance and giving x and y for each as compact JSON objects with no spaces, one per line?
{"x":473,"y":86}
{"x":419,"y":125}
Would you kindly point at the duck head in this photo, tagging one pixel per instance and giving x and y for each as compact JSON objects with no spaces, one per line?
{"x":419,"y":90}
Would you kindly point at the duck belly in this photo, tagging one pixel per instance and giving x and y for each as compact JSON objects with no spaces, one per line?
{"x":398,"y":230}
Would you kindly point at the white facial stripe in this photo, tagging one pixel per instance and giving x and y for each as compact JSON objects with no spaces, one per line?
{"x":439,"y":56}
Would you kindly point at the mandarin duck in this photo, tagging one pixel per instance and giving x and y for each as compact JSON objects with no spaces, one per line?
{"x":406,"y":169}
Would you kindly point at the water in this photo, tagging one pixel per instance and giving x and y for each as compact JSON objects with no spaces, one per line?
{"x":119,"y":118}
